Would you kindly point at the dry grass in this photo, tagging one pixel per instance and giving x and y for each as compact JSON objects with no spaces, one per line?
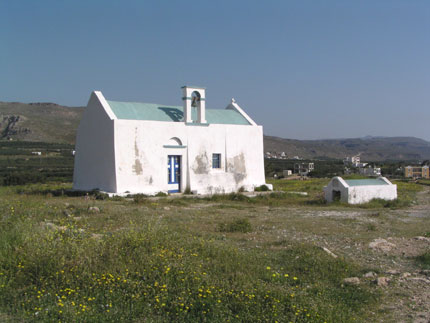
{"x":53,"y":244}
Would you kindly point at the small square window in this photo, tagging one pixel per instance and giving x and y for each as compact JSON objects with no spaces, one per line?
{"x":216,"y":160}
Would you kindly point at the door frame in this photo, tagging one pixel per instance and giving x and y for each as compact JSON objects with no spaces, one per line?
{"x":178,"y":175}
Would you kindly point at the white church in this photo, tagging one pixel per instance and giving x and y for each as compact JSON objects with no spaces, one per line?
{"x":126,"y":147}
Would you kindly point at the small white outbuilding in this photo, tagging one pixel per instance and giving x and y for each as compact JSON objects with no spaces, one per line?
{"x":356,"y":191}
{"x":126,"y":147}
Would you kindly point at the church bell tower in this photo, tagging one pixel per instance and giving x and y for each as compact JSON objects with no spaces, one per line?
{"x":194,"y":98}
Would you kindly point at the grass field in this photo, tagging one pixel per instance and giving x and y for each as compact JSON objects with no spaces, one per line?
{"x":20,"y":163}
{"x":221,"y":258}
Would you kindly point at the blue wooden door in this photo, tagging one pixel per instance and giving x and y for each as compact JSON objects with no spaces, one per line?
{"x":174,"y":173}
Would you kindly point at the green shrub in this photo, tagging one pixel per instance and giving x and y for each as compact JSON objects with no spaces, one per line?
{"x":424,"y":260}
{"x":371,"y":227}
{"x":21,"y":178}
{"x":392,"y":204}
{"x":139,"y":198}
{"x":99,"y":195}
{"x":117,"y":198}
{"x":228,"y":197}
{"x":262,"y":188}
{"x":238,"y":225}
{"x":237,"y":197}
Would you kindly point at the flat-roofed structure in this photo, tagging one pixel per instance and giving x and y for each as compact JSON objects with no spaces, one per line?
{"x":417,"y":171}
{"x":357,"y":191}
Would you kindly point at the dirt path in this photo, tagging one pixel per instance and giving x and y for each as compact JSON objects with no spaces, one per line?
{"x":387,"y":240}
{"x":414,"y":284}
{"x":406,"y":289}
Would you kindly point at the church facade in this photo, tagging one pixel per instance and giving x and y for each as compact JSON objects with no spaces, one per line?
{"x":126,"y":147}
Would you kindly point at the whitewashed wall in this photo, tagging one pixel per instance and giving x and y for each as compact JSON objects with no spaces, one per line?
{"x":95,"y":156}
{"x":364,"y":194}
{"x":141,"y":159}
{"x":336,"y":184}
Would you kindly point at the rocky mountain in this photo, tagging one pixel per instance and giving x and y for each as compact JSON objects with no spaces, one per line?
{"x":50,"y":122}
{"x":369,"y":148}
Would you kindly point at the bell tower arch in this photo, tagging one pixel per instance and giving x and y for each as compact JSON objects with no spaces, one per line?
{"x":194,"y":98}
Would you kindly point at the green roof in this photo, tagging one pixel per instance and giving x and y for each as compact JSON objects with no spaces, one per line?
{"x":369,"y":181}
{"x":156,"y":112}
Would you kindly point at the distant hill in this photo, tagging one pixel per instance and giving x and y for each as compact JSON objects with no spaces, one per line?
{"x":369,"y":148}
{"x":50,"y":122}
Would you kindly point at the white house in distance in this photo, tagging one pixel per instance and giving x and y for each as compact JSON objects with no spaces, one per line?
{"x":356,"y":191}
{"x":370,"y":171}
{"x":125,"y":147}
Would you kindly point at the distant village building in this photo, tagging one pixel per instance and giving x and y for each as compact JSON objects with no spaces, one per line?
{"x":275,"y":155}
{"x":370,"y":171}
{"x":303,"y":169}
{"x":351,"y":160}
{"x":125,"y":147}
{"x":38,"y":153}
{"x":417,"y":171}
{"x":287,"y":172}
{"x":359,"y":190}
{"x":354,"y":161}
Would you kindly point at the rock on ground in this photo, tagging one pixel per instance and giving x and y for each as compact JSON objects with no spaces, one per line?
{"x":382,"y":281}
{"x":382,"y":245}
{"x":93,"y":209}
{"x":352,"y":280}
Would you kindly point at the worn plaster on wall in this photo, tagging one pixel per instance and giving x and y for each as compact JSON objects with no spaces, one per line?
{"x":137,"y":167}
{"x":237,"y":166}
{"x":201,"y":164}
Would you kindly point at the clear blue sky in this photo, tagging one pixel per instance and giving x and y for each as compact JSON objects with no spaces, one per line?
{"x":302,"y":69}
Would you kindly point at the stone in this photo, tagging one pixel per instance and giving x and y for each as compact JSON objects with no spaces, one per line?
{"x":93,"y":209}
{"x":352,"y":280}
{"x":419,"y":279}
{"x":167,"y":208}
{"x":420,"y":238}
{"x":329,"y":252}
{"x":382,"y":245}
{"x":392,"y":272}
{"x":370,"y":274}
{"x":382,"y":281}
{"x":405,"y":275}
